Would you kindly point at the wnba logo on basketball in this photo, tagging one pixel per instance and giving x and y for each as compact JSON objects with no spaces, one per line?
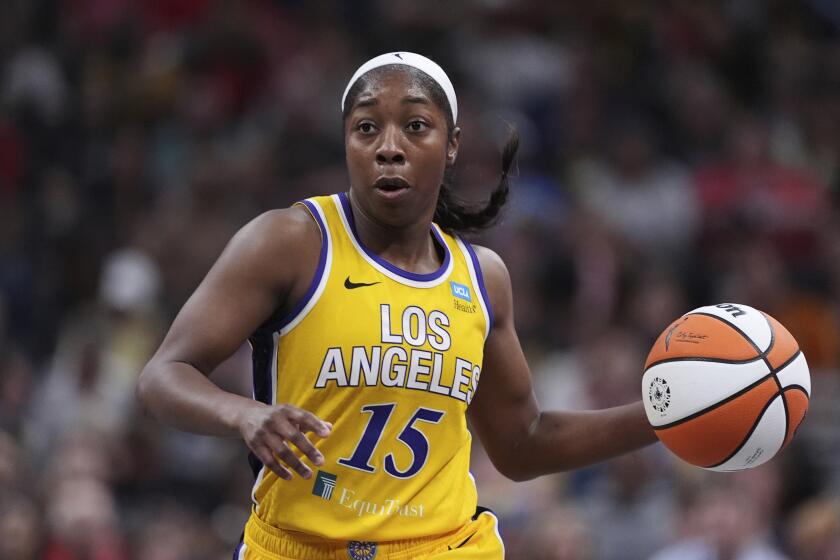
{"x":659,"y":395}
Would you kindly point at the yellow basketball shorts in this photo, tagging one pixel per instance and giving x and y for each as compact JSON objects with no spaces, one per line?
{"x":477,"y":540}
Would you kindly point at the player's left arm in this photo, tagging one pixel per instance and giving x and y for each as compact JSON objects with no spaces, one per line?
{"x":521,"y":440}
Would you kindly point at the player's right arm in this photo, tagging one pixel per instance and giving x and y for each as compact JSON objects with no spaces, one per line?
{"x":266,"y":267}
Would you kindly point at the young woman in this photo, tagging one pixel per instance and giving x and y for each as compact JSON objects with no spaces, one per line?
{"x":375,"y":332}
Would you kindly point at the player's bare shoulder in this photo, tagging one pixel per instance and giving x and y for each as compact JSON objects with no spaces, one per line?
{"x":282,"y":229}
{"x":279,"y":246}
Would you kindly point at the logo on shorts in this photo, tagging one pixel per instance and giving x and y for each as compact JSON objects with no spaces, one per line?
{"x":324,"y":484}
{"x":659,"y":395}
{"x":460,"y":291}
{"x":358,"y":550}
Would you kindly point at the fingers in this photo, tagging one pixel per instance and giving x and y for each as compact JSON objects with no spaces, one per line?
{"x":306,"y":447}
{"x":291,"y":433}
{"x":266,"y":455}
{"x":288,"y":456}
{"x":308,"y":422}
{"x":282,"y":424}
{"x":304,"y":421}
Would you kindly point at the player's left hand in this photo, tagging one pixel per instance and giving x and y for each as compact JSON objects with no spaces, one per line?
{"x":267,"y":429}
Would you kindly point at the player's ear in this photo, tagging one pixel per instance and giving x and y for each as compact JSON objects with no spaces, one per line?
{"x":452,"y":146}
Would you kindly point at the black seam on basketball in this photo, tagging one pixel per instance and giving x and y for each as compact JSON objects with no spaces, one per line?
{"x":772,"y":333}
{"x":801,"y":389}
{"x":701,"y":359}
{"x":784,"y":404}
{"x":786,"y":363}
{"x":734,"y":395}
{"x":737,"y":329}
{"x":780,"y":393}
{"x":798,"y":388}
{"x":762,"y":355}
{"x":731,"y":397}
{"x":749,"y":433}
{"x":775,"y":372}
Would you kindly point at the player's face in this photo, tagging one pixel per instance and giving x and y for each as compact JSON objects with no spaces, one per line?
{"x":397,"y":147}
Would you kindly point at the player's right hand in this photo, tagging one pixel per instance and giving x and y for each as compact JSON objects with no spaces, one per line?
{"x":267,"y":430}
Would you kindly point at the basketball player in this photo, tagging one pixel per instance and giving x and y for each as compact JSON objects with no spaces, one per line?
{"x":375,"y":332}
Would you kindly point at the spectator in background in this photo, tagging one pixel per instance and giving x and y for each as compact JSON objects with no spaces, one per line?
{"x":34,"y":79}
{"x":21,"y":531}
{"x":633,"y":506}
{"x":748,"y":189}
{"x":597,"y":268}
{"x":722,"y":524}
{"x":561,"y":534}
{"x":814,"y":530}
{"x":753,"y":271}
{"x":12,"y":158}
{"x":698,"y":103}
{"x":100,"y":353}
{"x":512,"y":67}
{"x":16,"y":380}
{"x":612,"y":363}
{"x":12,"y":462}
{"x":657,"y":298}
{"x":172,"y":532}
{"x":644,"y":200}
{"x":82,"y":522}
{"x":518,"y":505}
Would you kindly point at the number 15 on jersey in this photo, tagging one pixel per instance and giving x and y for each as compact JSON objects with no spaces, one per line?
{"x":411,"y":436}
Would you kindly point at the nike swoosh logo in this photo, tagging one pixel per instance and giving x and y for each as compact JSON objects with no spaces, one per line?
{"x":353,"y":285}
{"x":462,"y":542}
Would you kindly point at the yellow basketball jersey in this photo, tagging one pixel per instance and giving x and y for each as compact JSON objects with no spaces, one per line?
{"x":392,"y":359}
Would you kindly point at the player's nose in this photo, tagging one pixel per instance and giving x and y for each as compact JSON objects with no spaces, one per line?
{"x":389,"y":150}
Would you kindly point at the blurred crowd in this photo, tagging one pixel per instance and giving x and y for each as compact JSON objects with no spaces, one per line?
{"x":674,"y":154}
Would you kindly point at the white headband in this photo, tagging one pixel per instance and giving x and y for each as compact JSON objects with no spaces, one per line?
{"x":420,"y":62}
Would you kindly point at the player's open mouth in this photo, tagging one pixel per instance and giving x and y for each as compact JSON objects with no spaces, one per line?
{"x":391,"y":186}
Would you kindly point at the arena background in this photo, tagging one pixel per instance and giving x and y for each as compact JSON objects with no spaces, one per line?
{"x":674,"y":154}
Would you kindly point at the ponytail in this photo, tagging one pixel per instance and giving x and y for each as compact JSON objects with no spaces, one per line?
{"x":453,"y":215}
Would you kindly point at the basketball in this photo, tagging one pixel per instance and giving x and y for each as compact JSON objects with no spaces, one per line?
{"x":726,"y":387}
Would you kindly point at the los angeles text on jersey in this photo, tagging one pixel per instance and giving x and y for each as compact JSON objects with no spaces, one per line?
{"x":394,"y":365}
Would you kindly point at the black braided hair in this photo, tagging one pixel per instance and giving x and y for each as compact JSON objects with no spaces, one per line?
{"x":452,"y":213}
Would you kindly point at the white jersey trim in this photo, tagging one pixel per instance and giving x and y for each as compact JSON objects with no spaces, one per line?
{"x":295,"y":320}
{"x":475,"y":286}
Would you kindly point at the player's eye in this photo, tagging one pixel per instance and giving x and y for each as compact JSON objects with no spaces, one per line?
{"x":417,"y":126}
{"x":366,"y":127}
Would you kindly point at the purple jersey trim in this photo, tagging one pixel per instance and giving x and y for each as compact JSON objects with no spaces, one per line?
{"x":322,"y":262}
{"x":480,"y":277}
{"x":348,"y":213}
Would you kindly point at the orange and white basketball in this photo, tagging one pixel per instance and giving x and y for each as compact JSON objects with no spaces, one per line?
{"x":725,"y":387}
